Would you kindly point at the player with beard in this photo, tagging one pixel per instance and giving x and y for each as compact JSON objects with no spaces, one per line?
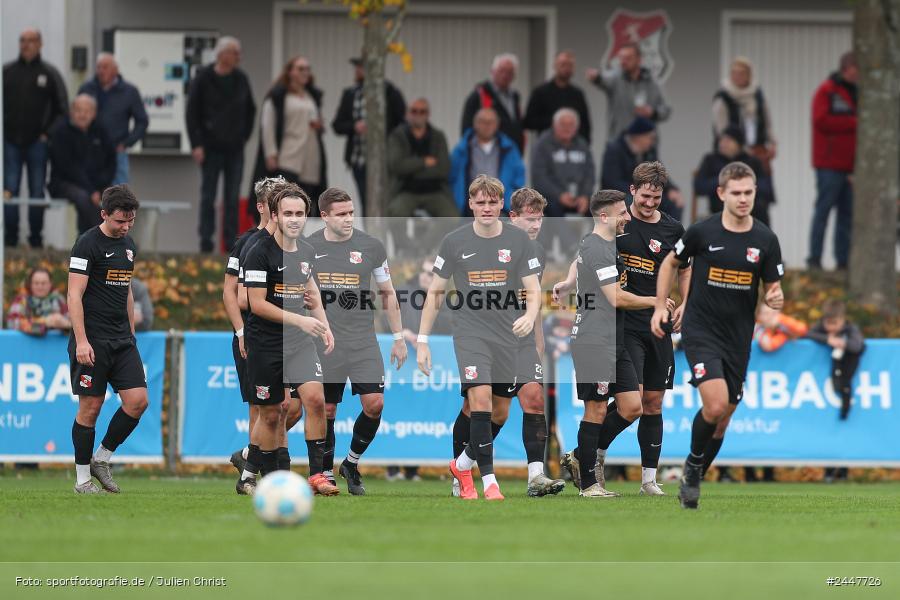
{"x":281,"y":352}
{"x":489,"y":261}
{"x":732,"y":253}
{"x":346,"y":260}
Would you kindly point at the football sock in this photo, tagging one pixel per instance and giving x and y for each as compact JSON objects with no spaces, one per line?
{"x":495,"y":430}
{"x":489,"y":480}
{"x":103,"y":454}
{"x":316,"y":449}
{"x":711,"y":451}
{"x":245,"y":452}
{"x":364,"y":431}
{"x":328,"y":461}
{"x":613,"y":425}
{"x":535,"y":469}
{"x":120,"y":427}
{"x":701,"y":433}
{"x":648,"y":474}
{"x":481,"y":441}
{"x":461,"y":433}
{"x":283,"y":459}
{"x":83,"y":442}
{"x":465,"y":462}
{"x":534,"y":437}
{"x":82,"y":474}
{"x":649,"y":435}
{"x":353,"y":458}
{"x":254,"y":462}
{"x":588,"y":434}
{"x":268,"y":462}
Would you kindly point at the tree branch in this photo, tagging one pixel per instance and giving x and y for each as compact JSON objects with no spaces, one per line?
{"x":396,"y":24}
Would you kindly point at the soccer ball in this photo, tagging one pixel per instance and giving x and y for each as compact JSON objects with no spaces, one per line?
{"x":671,"y":475}
{"x":283,"y":498}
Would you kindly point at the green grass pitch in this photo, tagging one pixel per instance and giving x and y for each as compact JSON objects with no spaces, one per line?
{"x":412,"y":540}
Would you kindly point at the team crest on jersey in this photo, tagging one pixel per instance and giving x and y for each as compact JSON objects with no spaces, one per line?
{"x":262,"y":392}
{"x":130,"y":255}
{"x":471,"y":372}
{"x":655,"y":245}
{"x":602,"y":387}
{"x":504,"y":255}
{"x":356,"y":257}
{"x":753,"y":255}
{"x":699,"y":371}
{"x":304,"y":268}
{"x":85,"y":381}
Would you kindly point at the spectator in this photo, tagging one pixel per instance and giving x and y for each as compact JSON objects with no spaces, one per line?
{"x":774,"y":328}
{"x":484,"y":150}
{"x":34,"y":98}
{"x":220,"y":115}
{"x":848,"y":345}
{"x":291,"y":128}
{"x":497,"y":93}
{"x":557,"y":93}
{"x":731,"y":148}
{"x":350,"y":120}
{"x":834,"y":153}
{"x":118,"y":103}
{"x":740,"y":103}
{"x":419,"y":167}
{"x":38,"y":308}
{"x":82,"y":161}
{"x":143,"y":305}
{"x":630,"y":92}
{"x":623,"y":154}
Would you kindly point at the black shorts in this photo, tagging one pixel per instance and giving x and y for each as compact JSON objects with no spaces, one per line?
{"x":483,"y":362}
{"x":596,"y":379}
{"x":528,"y":367}
{"x":240,"y":365}
{"x":270,"y":372}
{"x":653,"y":358}
{"x":359,"y":361}
{"x":116,"y":362}
{"x":707,"y":362}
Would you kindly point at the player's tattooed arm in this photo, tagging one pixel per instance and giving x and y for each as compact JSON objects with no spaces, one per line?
{"x":774,"y":295}
{"x":684,"y":287}
{"x":84,"y":353}
{"x":429,"y":314}
{"x":567,"y":284}
{"x":524,"y":324}
{"x":399,"y":351}
{"x":663,"y":288}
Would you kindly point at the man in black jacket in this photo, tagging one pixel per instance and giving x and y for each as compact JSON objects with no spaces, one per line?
{"x":497,"y":93}
{"x":555,"y":94}
{"x":82,"y":161}
{"x":220,"y":113}
{"x":350,"y":120}
{"x":34,"y":97}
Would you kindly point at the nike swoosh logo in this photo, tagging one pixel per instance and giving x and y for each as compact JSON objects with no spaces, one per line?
{"x":483,"y":445}
{"x":320,"y":442}
{"x":465,"y":256}
{"x":715,"y":248}
{"x":320,"y":255}
{"x":511,"y":390}
{"x":381,"y":385}
{"x":108,"y":254}
{"x":329,"y":452}
{"x":655,"y":445}
{"x":280,"y":269}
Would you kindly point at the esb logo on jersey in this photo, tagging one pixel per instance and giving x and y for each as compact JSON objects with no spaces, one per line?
{"x":699,"y":371}
{"x":356,"y":257}
{"x":753,"y":255}
{"x":471,"y":372}
{"x":655,"y":245}
{"x":504,"y":255}
{"x":85,"y":381}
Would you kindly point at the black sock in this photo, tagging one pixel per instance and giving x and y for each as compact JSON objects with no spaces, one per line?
{"x":461,"y":433}
{"x":316,"y":450}
{"x":701,"y":433}
{"x":268,"y":462}
{"x":481,"y":443}
{"x":710,"y":452}
{"x":611,"y":408}
{"x":120,"y":427}
{"x":254,"y":459}
{"x":534,"y":436}
{"x":83,"y":441}
{"x":650,"y":435}
{"x":613,"y":425}
{"x":495,"y":430}
{"x":588,"y":434}
{"x":283,"y":459}
{"x":364,"y":431}
{"x":328,"y":461}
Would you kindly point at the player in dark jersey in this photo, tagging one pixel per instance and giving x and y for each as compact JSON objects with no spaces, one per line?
{"x":527,"y":213}
{"x":281,"y":352}
{"x":102,"y":347}
{"x":732,"y":252}
{"x":346,"y":261}
{"x":231,"y":292}
{"x":603,"y":366}
{"x":489,"y":261}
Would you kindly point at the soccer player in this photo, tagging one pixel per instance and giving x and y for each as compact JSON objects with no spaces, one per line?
{"x":281,"y":353}
{"x":102,"y":347}
{"x":732,"y":252}
{"x":346,"y":260}
{"x":236,"y":310}
{"x":527,"y":213}
{"x":603,"y":366}
{"x":489,"y":261}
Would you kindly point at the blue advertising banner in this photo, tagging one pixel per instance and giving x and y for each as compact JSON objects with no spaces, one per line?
{"x":37,"y":406}
{"x":789,"y":414}
{"x":416,"y":425}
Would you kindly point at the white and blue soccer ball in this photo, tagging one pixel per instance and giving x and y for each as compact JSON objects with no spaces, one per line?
{"x":283,"y":498}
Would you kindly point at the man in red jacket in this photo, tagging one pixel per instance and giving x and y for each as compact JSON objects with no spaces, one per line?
{"x":834,"y":152}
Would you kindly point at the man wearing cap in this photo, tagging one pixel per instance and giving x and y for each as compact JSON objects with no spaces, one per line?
{"x":350,"y":120}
